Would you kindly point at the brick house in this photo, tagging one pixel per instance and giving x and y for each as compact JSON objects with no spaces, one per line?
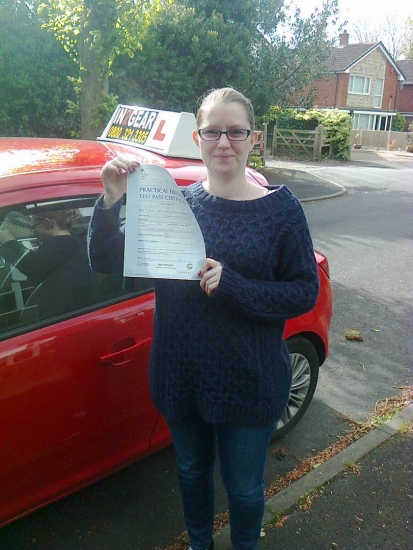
{"x":364,"y":80}
{"x":404,"y":104}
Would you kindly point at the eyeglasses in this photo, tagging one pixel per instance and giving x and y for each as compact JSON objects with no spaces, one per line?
{"x":236,"y":134}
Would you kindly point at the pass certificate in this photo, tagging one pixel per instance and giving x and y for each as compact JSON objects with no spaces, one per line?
{"x":162,"y":237}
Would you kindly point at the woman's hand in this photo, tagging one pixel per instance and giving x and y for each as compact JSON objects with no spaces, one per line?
{"x":211,"y":275}
{"x":113,"y":176}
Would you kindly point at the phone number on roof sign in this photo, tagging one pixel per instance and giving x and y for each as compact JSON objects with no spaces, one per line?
{"x":128,"y":134}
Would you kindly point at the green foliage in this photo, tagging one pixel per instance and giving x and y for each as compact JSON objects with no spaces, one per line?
{"x":336,"y":124}
{"x":152,"y":53}
{"x":105,"y":109}
{"x":292,"y":57}
{"x":398,"y":123}
{"x":286,"y":52}
{"x":196,"y":45}
{"x":108,"y":27}
{"x":255,"y":16}
{"x":33,"y":77}
{"x":94,"y":33}
{"x":183,"y":55}
{"x":255,"y":161}
{"x":289,"y":118}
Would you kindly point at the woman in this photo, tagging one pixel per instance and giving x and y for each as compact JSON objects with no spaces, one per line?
{"x":220,"y":372}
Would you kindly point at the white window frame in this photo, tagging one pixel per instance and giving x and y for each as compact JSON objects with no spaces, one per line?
{"x":378,"y":92}
{"x":366,"y":121}
{"x":363,"y":121}
{"x":366,"y":85}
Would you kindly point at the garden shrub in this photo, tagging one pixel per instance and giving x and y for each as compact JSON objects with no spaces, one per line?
{"x":255,"y":161}
{"x":398,"y":124}
{"x":337,"y":125}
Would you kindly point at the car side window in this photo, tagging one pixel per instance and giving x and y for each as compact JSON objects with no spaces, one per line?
{"x":45,"y":274}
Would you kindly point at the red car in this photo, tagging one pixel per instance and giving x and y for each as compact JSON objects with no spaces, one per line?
{"x":74,"y":396}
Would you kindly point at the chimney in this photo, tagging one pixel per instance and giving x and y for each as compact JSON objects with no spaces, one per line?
{"x":344,"y":36}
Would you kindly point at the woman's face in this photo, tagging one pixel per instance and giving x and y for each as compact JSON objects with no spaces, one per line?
{"x":223,"y":158}
{"x":42,"y":228}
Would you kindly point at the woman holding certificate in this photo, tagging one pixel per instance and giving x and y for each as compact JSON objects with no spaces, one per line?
{"x":220,"y":371}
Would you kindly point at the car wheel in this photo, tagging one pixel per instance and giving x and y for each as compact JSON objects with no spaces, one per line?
{"x":305,"y":365}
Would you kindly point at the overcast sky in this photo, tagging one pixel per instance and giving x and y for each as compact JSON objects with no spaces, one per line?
{"x":372,"y":11}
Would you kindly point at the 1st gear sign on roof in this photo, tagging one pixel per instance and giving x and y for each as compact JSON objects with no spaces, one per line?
{"x":163,"y":132}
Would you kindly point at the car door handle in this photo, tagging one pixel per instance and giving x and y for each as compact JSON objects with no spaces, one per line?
{"x":124,"y":355}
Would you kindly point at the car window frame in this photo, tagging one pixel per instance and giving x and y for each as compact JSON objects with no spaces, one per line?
{"x":43,"y":206}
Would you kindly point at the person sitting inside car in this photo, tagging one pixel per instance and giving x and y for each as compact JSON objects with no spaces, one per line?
{"x":59,"y":269}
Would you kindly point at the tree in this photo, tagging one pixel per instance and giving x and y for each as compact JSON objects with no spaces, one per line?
{"x":94,"y":33}
{"x":200,"y":44}
{"x":183,"y":54}
{"x":292,"y":57}
{"x":392,"y":32}
{"x":33,"y":77}
{"x":161,"y":55}
{"x":407,"y":47}
{"x":255,"y":16}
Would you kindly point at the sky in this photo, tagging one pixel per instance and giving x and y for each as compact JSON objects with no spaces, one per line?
{"x":372,"y":11}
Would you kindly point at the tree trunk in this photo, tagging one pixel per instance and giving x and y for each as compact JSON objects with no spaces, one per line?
{"x":94,"y":74}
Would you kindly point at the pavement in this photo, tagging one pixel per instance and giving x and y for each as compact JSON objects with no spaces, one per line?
{"x":363,"y":496}
{"x":308,"y":186}
{"x":304,"y":185}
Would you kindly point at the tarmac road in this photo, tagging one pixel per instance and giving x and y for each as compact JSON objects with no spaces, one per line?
{"x":367,"y":236}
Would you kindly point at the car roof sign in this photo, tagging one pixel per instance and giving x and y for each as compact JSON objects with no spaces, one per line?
{"x":165,"y":132}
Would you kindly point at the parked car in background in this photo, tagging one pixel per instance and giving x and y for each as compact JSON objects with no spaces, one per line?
{"x":74,"y":396}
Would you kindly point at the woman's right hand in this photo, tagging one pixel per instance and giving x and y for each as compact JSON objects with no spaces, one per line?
{"x":113,"y":176}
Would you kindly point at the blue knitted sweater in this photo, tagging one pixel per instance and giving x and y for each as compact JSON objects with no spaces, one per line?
{"x":224,"y":355}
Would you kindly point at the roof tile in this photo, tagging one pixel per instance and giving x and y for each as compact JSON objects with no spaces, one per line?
{"x":342,"y":57}
{"x":406,"y":66}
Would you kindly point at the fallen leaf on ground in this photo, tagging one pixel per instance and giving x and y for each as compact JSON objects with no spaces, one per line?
{"x":353,"y":335}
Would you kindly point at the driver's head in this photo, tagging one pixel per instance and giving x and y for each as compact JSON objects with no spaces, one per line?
{"x":52,"y":224}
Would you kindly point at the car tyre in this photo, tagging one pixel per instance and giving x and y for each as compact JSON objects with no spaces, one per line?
{"x":305,"y":366}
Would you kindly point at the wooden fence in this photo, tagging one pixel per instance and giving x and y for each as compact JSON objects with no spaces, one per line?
{"x":379,"y":139}
{"x":298,"y":142}
{"x":260,"y":144}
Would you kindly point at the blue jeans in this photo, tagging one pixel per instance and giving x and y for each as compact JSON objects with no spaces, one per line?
{"x":242,"y":452}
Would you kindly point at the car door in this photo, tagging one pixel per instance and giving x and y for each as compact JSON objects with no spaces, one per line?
{"x":74,"y":395}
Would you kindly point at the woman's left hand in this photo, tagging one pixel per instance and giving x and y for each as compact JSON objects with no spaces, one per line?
{"x":210,"y":276}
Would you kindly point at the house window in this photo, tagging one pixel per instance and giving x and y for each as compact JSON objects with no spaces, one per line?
{"x":359,"y":85}
{"x":363,"y":121}
{"x":378,"y":92}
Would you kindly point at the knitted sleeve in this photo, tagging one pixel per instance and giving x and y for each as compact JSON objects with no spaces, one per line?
{"x":106,"y":239}
{"x":293,"y":291}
